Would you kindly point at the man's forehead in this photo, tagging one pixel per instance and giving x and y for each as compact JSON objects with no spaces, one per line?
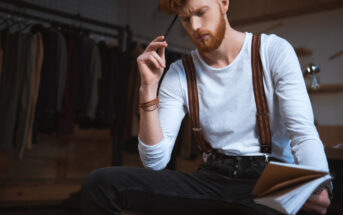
{"x":193,"y":5}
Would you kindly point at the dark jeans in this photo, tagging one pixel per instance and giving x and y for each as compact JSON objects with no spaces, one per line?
{"x":218,"y":187}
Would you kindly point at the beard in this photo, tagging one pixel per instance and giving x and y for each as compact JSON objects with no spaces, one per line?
{"x":213,"y":41}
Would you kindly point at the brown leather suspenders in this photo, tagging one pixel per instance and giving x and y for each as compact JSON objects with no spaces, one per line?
{"x":193,"y":102}
{"x":260,"y":99}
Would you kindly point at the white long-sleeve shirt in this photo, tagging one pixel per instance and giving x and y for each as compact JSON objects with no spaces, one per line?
{"x":228,"y":109}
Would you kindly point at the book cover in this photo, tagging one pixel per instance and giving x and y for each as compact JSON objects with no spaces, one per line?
{"x":286,"y":187}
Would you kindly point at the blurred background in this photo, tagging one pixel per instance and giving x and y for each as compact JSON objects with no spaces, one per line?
{"x":69,"y":88}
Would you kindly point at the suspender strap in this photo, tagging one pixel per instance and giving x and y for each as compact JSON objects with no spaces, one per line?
{"x":260,"y":97}
{"x":194,"y":103}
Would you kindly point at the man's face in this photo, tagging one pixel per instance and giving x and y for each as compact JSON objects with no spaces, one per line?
{"x":204,"y":22}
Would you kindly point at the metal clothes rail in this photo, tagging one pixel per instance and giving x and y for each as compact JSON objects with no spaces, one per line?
{"x":20,"y":4}
{"x":124,"y":37}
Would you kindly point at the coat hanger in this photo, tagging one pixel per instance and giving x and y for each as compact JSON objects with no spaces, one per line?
{"x":17,"y":20}
{"x":6,"y":20}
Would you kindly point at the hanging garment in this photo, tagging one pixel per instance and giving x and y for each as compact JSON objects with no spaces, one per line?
{"x":10,"y":88}
{"x":47,"y":99}
{"x":24,"y":97}
{"x":30,"y":92}
{"x":87,"y":116}
{"x":93,"y":82}
{"x":84,"y":51}
{"x":62,"y":68}
{"x":103,"y":85}
{"x":65,"y":121}
{"x":1,"y":55}
{"x":132,"y":100}
{"x":35,"y":83}
{"x":111,"y":58}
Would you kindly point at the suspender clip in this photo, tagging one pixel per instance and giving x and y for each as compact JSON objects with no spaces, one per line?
{"x":266,"y":156}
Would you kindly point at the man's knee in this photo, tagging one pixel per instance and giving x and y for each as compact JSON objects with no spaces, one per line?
{"x":108,"y":178}
{"x":99,"y":192}
{"x":92,"y":181}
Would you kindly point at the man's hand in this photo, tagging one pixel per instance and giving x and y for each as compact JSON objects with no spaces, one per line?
{"x":152,"y":62}
{"x":318,"y":203}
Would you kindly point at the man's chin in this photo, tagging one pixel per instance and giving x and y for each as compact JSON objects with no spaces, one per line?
{"x":206,"y":46}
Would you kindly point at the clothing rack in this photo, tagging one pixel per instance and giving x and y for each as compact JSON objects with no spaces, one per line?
{"x":20,"y":4}
{"x":124,"y":37}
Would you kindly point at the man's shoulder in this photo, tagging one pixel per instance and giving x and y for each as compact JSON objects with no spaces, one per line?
{"x":175,"y":72}
{"x":272,"y":42}
{"x":175,"y":68}
{"x":272,"y":37}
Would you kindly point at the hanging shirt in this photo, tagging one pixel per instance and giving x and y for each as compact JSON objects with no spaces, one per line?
{"x":228,"y":109}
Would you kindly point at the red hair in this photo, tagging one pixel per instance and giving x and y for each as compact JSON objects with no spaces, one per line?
{"x":171,"y":6}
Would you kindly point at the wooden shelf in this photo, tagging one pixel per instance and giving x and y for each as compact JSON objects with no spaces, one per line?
{"x":332,"y":135}
{"x":332,"y":88}
{"x":303,"y":52}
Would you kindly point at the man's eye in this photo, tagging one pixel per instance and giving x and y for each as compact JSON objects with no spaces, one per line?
{"x":200,"y":14}
{"x":186,"y":19}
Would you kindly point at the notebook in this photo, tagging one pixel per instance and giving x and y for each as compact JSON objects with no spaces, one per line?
{"x":286,"y":187}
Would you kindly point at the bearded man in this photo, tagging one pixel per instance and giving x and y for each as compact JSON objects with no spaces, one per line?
{"x":240,"y":122}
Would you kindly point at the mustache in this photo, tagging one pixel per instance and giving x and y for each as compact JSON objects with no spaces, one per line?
{"x":199,"y":33}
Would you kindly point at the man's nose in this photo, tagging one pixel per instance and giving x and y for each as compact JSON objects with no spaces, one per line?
{"x":195,"y":24}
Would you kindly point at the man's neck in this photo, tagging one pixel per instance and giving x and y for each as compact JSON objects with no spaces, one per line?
{"x":227,"y":51}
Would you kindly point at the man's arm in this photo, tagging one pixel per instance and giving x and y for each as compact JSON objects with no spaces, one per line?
{"x":159,"y":128}
{"x":295,"y":107}
{"x":151,"y":64}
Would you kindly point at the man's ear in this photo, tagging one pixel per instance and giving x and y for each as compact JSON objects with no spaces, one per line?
{"x":224,"y":5}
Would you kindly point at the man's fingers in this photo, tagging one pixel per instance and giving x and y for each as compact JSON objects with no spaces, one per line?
{"x":314,"y":208}
{"x":159,"y":59}
{"x":318,"y":203}
{"x":153,"y":46}
{"x":321,"y":199}
{"x":161,"y":52}
{"x":152,"y":60}
{"x":159,"y":38}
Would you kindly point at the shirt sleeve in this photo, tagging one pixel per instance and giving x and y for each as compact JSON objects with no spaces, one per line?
{"x":171,"y":112}
{"x":295,"y":106}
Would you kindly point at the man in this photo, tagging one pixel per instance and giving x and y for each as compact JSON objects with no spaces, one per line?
{"x":223,"y":184}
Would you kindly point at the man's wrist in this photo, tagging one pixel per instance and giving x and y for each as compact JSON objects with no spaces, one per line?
{"x":148,"y":92}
